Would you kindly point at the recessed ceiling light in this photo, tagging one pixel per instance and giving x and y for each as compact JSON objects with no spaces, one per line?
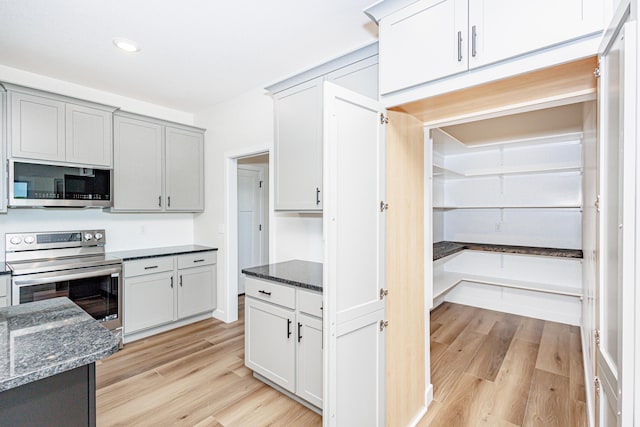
{"x":126,"y":45}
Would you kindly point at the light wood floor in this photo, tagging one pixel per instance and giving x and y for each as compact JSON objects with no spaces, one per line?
{"x":488,"y":368}
{"x":497,"y":369}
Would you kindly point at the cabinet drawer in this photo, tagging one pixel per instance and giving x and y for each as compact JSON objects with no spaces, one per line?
{"x":197,"y":259}
{"x":310,"y":303}
{"x":148,"y":266}
{"x":4,"y":302}
{"x":268,"y":291}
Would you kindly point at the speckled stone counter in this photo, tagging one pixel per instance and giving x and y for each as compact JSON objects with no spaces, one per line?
{"x":301,"y":274}
{"x":444,"y":249}
{"x":156,"y":252}
{"x":45,"y":338}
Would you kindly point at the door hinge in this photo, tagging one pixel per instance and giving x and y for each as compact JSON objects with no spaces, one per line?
{"x":597,"y":203}
{"x":596,"y":336}
{"x":260,"y":184}
{"x":596,"y":73}
{"x":383,"y":293}
{"x":383,"y":324}
{"x":383,"y":206}
{"x":596,"y":384}
{"x":383,"y":119}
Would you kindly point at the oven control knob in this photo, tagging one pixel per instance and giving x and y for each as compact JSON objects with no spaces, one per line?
{"x":29,"y":240}
{"x":98,"y":236}
{"x":15,"y":240}
{"x":88,"y":236}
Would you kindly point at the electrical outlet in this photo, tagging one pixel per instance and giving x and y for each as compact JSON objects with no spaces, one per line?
{"x":498,"y":227}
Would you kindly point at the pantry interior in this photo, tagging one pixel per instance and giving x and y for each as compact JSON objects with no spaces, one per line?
{"x":510,"y":183}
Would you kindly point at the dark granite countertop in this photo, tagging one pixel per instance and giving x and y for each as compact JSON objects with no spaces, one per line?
{"x":156,"y":252}
{"x":4,"y":269}
{"x":444,"y":249}
{"x":301,"y":274}
{"x":44,"y":338}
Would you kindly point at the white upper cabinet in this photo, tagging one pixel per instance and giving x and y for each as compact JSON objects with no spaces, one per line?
{"x":184,"y":169}
{"x":501,"y":29}
{"x":431,"y":39}
{"x":164,"y":161}
{"x":423,"y":42}
{"x":55,"y":128}
{"x":298,"y":125}
{"x":89,"y":137}
{"x":298,"y":147}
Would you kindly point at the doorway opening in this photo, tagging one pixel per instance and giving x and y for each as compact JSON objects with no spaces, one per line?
{"x":253,"y":214}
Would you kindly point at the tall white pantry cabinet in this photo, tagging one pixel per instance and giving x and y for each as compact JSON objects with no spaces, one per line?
{"x":562,"y":75}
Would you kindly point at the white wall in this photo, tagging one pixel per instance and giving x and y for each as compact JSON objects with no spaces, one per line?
{"x":243,"y":123}
{"x":124,"y":231}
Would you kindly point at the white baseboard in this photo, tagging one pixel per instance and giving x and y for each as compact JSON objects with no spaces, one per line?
{"x":539,"y":305}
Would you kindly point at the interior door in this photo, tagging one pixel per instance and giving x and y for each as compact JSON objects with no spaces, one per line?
{"x":354,"y":259}
{"x":616,"y":234}
{"x":249,"y":227}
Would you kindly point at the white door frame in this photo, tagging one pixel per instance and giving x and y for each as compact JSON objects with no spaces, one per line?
{"x":260,"y":169}
{"x":228,"y":311}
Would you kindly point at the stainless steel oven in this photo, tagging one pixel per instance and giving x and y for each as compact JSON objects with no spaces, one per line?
{"x":70,"y":264}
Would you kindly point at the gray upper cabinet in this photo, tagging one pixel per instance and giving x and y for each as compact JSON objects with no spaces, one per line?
{"x":37,"y":127}
{"x":137,"y":159}
{"x":298,"y":125}
{"x":184,"y":170}
{"x":55,"y":128}
{"x":164,"y":160}
{"x":298,"y":147}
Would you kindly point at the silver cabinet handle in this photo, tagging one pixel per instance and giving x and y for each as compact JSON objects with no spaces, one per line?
{"x":459,"y":46}
{"x":474,"y":37}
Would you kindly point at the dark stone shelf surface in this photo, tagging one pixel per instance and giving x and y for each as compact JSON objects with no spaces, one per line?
{"x":301,"y":274}
{"x":444,"y":249}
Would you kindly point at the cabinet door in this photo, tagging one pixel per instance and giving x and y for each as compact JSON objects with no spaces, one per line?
{"x":37,"y":127}
{"x":309,"y":372}
{"x":298,"y":147}
{"x":270,"y":342}
{"x":184,"y":170}
{"x":137,"y":165}
{"x":148,"y":301}
{"x":501,"y":29}
{"x":423,"y":42}
{"x":360,"y":77}
{"x":88,"y":135}
{"x":196,"y":290}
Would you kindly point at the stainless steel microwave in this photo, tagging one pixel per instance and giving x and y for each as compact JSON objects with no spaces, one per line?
{"x":44,"y":185}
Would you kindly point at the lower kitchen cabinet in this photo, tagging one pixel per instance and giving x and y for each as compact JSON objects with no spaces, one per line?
{"x":166,"y":292}
{"x":283,"y":337}
{"x":5,"y":290}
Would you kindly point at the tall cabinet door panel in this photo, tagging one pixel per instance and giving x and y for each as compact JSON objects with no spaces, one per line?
{"x":501,"y":29}
{"x":270,"y":342}
{"x":148,"y":301}
{"x":137,"y":165}
{"x":298,"y":147}
{"x":196,"y":290}
{"x":37,"y":127}
{"x":184,"y":170}
{"x":88,"y":135}
{"x":423,"y":42}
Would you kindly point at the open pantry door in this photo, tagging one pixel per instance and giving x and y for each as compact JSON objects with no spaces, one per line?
{"x":354,"y":259}
{"x":616,"y":225}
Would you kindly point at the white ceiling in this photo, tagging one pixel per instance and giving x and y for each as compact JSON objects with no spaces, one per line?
{"x":194,"y":53}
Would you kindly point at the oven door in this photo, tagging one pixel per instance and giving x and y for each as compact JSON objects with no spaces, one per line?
{"x":97,"y":290}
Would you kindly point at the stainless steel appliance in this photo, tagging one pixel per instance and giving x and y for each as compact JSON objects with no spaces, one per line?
{"x":66,"y":263}
{"x":42,"y":185}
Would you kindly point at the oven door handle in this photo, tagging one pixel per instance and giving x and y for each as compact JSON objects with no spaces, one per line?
{"x":59,"y":276}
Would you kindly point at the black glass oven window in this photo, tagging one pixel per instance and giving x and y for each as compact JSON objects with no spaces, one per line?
{"x":98,"y":296}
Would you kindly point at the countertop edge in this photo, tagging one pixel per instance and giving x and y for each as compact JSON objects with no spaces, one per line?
{"x":293,"y":283}
{"x":154,"y":254}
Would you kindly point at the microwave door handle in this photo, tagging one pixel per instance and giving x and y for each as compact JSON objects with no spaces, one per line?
{"x":53,"y":277}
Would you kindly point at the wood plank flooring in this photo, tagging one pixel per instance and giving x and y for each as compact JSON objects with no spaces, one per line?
{"x":488,"y":369}
{"x":191,"y":376}
{"x":498,"y":369}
